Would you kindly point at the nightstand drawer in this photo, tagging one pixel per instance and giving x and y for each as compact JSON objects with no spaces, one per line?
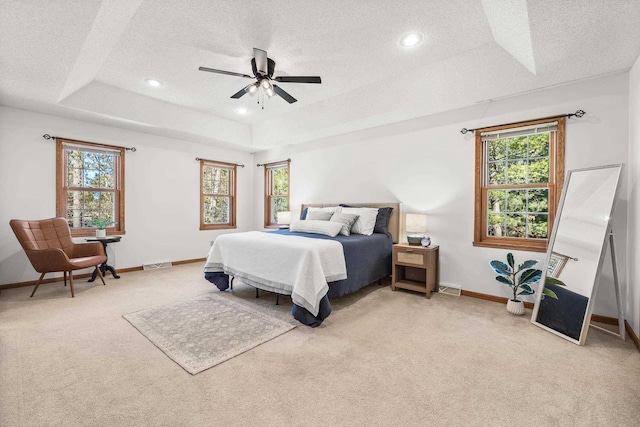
{"x":405,"y":257}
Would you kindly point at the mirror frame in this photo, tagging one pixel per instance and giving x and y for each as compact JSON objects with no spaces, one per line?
{"x":586,"y":321}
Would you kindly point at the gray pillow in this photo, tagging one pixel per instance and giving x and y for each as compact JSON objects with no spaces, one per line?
{"x":347,"y":221}
{"x":319,"y":215}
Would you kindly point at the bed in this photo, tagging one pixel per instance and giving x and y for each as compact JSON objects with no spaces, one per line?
{"x":319,"y":267}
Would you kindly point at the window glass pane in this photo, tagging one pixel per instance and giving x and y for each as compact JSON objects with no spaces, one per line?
{"x":516,"y":225}
{"x":83,"y":206}
{"x":516,"y":201}
{"x":217,"y":210}
{"x":538,"y":200}
{"x":517,"y":172}
{"x":278,"y":204}
{"x":539,"y":170}
{"x":91,"y":178}
{"x":495,"y":228}
{"x":216,"y":180}
{"x":75,"y":159}
{"x":279,"y":181}
{"x":220,"y":181}
{"x":497,"y":150}
{"x":517,"y":147}
{"x":497,"y":175}
{"x":496,"y":200}
{"x":539,"y":145}
{"x":537,"y":226}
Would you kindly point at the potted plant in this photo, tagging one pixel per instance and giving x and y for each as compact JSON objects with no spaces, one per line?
{"x":102,"y":223}
{"x":520,"y":280}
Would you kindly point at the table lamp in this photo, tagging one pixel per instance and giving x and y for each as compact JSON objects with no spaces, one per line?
{"x":283,"y":219}
{"x":416,"y":227}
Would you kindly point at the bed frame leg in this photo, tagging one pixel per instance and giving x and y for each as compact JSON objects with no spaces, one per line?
{"x":257,"y":294}
{"x":231,"y":283}
{"x":277,"y":299}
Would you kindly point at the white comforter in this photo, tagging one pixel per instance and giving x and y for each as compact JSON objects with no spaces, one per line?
{"x":294,"y":265}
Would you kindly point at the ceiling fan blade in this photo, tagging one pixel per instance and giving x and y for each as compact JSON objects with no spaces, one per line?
{"x":298,"y":79}
{"x":261,"y":61}
{"x":229,"y":73}
{"x":284,"y":95}
{"x":241,"y":92}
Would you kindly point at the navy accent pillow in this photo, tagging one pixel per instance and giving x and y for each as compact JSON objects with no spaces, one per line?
{"x":382,"y":220}
{"x":304,"y":213}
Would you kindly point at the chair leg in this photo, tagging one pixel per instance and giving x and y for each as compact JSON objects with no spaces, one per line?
{"x":100,"y":274}
{"x":65,"y":277}
{"x":71,"y":283}
{"x":37,"y":284}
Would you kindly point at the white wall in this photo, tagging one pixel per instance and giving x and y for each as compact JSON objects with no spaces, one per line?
{"x":633,"y":278}
{"x":162,"y":188}
{"x":428,"y":165}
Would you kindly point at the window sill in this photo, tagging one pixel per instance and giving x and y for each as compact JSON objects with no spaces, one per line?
{"x":217,"y":227}
{"x":516,"y":245}
{"x":91,"y":232}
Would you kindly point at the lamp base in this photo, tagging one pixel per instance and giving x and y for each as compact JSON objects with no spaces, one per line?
{"x":414,"y":240}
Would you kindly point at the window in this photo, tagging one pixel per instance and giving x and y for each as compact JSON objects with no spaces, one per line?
{"x":519,"y":175}
{"x":276,"y":191}
{"x":217,"y":195}
{"x":90,"y":185}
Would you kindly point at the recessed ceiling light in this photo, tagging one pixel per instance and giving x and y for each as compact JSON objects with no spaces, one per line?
{"x":242,"y":110}
{"x":153,"y":82}
{"x":411,"y":40}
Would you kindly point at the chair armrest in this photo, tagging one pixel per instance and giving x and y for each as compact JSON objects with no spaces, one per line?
{"x":49,"y":260}
{"x":79,"y":250}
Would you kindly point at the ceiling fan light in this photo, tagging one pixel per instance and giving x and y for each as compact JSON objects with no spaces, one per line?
{"x":253,"y":89}
{"x":266,"y":84}
{"x":269,"y":92}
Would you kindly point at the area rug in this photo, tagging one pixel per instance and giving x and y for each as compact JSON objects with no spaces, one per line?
{"x":206,"y":331}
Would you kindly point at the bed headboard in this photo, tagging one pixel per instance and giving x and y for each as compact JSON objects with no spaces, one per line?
{"x":394,"y":221}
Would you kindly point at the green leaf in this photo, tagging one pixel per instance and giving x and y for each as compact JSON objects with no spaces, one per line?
{"x":548,"y":292}
{"x":553,"y":281}
{"x":510,"y":260}
{"x":500,"y":268}
{"x":504,"y":280}
{"x":527,"y":264}
{"x":530,"y":276}
{"x":526,"y":290}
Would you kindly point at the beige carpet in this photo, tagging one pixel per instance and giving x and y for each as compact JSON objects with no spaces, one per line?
{"x":381,"y":359}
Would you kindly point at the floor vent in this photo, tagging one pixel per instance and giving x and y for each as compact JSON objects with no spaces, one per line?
{"x":156,"y":265}
{"x":450,"y":290}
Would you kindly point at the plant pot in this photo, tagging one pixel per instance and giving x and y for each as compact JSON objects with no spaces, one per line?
{"x":101,"y":232}
{"x":515,"y":307}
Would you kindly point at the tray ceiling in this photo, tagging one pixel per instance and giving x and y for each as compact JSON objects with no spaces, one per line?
{"x":89,"y":60}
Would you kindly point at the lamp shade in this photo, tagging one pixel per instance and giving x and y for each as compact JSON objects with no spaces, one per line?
{"x":416,"y":223}
{"x":284,"y":218}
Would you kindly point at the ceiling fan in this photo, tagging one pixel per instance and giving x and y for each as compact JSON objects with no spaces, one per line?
{"x":263,"y":68}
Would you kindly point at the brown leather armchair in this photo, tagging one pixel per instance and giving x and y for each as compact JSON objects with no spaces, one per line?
{"x":49,"y":247}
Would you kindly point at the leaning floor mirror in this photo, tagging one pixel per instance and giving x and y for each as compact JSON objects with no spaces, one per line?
{"x":576,"y":252}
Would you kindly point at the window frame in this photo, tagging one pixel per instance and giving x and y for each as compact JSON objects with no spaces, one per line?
{"x":556,"y":179}
{"x":268,"y":189}
{"x":118,"y":189}
{"x":232,"y":195}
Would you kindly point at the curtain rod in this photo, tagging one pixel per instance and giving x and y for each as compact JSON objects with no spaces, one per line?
{"x":48,"y":137}
{"x":273,"y":163}
{"x":216,"y":161}
{"x":578,"y":114}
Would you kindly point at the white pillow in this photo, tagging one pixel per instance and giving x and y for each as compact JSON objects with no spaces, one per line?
{"x":332,"y":209}
{"x":366,"y":220}
{"x":327,"y":228}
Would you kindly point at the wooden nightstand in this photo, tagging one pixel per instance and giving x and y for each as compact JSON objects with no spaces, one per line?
{"x":415,"y":268}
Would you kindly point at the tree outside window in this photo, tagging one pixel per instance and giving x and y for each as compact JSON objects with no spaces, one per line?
{"x":89,"y":186}
{"x":518,"y":180}
{"x":217,"y":195}
{"x":276,"y":191}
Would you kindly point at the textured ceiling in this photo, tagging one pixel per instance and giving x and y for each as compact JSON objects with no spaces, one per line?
{"x":90,"y":59}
